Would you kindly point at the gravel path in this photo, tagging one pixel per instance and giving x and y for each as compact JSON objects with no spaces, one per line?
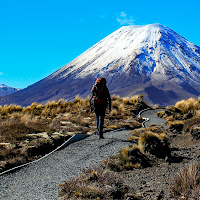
{"x":152,"y":116}
{"x":40,"y":180}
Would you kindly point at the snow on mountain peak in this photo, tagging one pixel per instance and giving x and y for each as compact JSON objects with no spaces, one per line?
{"x":5,"y":90}
{"x":2,"y":85}
{"x":152,"y":50}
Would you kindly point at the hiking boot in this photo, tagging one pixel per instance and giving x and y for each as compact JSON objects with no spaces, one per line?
{"x":101,"y":137}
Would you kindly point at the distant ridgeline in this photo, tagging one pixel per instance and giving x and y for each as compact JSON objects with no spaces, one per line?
{"x":6,"y":90}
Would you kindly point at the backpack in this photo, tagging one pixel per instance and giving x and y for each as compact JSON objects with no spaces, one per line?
{"x":99,"y":93}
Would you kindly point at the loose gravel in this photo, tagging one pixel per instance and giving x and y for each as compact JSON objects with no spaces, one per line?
{"x":152,"y":117}
{"x":40,"y":180}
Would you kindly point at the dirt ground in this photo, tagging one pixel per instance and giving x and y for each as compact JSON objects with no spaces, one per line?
{"x":154,"y":182}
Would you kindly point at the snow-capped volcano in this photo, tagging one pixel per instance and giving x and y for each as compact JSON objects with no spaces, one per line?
{"x":152,"y":60}
{"x":5,"y":90}
{"x":151,"y":50}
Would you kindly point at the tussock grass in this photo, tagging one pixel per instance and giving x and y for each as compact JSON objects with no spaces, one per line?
{"x":132,"y":100}
{"x":187,"y":183}
{"x":5,"y":110}
{"x":95,"y":183}
{"x":115,"y":97}
{"x":188,"y":105}
{"x":127,"y":159}
{"x":113,"y":113}
{"x":153,"y":140}
{"x":156,"y":144}
{"x":182,"y":117}
{"x":176,"y":126}
{"x":161,"y":114}
{"x":145,"y":137}
{"x":115,"y":103}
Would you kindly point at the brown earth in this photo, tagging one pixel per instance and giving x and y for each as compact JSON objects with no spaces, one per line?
{"x":154,"y":182}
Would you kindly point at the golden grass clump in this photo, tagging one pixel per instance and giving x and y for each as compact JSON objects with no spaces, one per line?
{"x":187,"y":182}
{"x":176,"y":126}
{"x":126,"y":100}
{"x":14,"y":108}
{"x":188,"y":105}
{"x":127,"y":159}
{"x":112,"y":127}
{"x":94,"y":183}
{"x":160,"y":114}
{"x":138,"y":131}
{"x":134,"y":99}
{"x":115,"y":103}
{"x":115,"y":97}
{"x":156,"y":144}
{"x":121,"y":108}
{"x":124,"y":153}
{"x":76,"y":99}
{"x":9,"y":109}
{"x":34,"y":105}
{"x":39,"y":107}
{"x":143,"y":138}
{"x":113,"y":113}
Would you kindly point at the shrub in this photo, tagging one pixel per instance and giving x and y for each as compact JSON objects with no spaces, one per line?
{"x":154,"y":143}
{"x":134,"y":99}
{"x":195,"y":132}
{"x":121,"y":108}
{"x":188,"y":124}
{"x":115,"y":104}
{"x":161,"y":114}
{"x":113,"y":113}
{"x":186,"y":182}
{"x":94,"y":183}
{"x":77,"y":99}
{"x":187,"y":105}
{"x":5,"y":110}
{"x":115,"y":97}
{"x":126,"y":100}
{"x":127,"y":159}
{"x":176,"y":126}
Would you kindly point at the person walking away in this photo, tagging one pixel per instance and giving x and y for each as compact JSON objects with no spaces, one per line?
{"x":100,"y":100}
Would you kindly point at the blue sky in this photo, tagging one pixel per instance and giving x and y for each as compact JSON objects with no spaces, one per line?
{"x":37,"y":37}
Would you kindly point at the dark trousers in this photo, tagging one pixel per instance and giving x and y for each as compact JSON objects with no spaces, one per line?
{"x":100,"y":115}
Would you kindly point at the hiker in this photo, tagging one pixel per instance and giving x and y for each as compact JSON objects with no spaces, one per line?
{"x":100,"y":100}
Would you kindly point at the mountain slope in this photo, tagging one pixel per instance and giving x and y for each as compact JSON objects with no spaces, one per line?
{"x":5,"y":90}
{"x":152,"y":60}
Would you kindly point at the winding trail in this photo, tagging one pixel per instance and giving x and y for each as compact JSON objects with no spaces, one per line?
{"x":39,"y":180}
{"x":152,"y":118}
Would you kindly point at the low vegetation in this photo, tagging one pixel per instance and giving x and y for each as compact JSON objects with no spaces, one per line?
{"x":147,"y":141}
{"x":27,"y":133}
{"x":127,"y":159}
{"x":96,"y":183}
{"x":183,"y":117}
{"x":186,"y":184}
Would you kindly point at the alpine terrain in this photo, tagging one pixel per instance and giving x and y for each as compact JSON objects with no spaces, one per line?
{"x":5,"y":90}
{"x":152,"y":60}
